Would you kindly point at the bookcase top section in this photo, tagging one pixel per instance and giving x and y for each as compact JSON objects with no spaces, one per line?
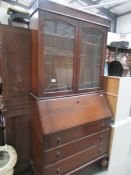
{"x":68,"y":11}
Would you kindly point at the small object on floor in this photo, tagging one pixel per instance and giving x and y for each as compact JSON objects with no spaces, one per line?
{"x":103,"y":163}
{"x":8,"y":159}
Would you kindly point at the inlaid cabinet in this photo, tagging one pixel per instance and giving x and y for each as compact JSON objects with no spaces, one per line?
{"x":14,"y":92}
{"x":70,"y":116}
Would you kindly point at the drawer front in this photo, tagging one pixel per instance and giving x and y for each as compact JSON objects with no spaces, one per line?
{"x":76,"y":133}
{"x":66,"y":150}
{"x":73,"y":162}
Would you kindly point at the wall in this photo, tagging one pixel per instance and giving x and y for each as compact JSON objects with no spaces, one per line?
{"x":3,"y":12}
{"x":124,"y":24}
{"x":3,"y":16}
{"x":112,"y":37}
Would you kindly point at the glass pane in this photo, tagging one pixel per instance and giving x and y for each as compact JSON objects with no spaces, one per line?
{"x":4,"y":158}
{"x":58,"y":63}
{"x":90,"y":58}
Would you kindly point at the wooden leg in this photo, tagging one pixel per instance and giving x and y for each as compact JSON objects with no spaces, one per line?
{"x":103,"y":162}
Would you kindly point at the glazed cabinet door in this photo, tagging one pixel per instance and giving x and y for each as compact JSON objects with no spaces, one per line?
{"x":92,"y":47}
{"x":59,"y":48}
{"x":70,"y":55}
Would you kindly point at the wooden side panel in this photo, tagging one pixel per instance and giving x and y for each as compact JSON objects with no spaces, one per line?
{"x":111,"y":85}
{"x":63,"y":113}
{"x":15,"y":65}
{"x":36,"y":139}
{"x":111,"y":88}
{"x":18,"y":135}
{"x":111,"y":140}
{"x":112,"y":103}
{"x":0,"y":60}
{"x":1,"y":132}
{"x":34,"y":61}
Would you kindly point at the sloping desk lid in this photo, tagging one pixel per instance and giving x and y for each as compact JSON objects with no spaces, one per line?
{"x":64,"y":113}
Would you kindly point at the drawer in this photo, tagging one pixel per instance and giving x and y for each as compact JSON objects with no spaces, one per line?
{"x":76,"y":161}
{"x":71,"y":148}
{"x":75,"y":133}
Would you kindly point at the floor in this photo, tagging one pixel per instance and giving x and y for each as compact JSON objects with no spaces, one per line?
{"x":90,"y":170}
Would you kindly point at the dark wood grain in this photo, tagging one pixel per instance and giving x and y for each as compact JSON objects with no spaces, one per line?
{"x":77,"y":160}
{"x":0,"y":53}
{"x":61,"y":152}
{"x":15,"y":65}
{"x":71,"y":12}
{"x":76,"y":133}
{"x":38,"y":52}
{"x":15,"y":71}
{"x":70,"y":128}
{"x":62,"y":143}
{"x":34,"y":62}
{"x":18,"y":135}
{"x":37,"y":143}
{"x":64,"y":113}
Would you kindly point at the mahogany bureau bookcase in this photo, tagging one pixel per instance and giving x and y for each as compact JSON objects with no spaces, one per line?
{"x":70,"y":117}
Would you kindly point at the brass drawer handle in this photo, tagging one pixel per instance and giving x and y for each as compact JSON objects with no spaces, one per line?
{"x":58,"y":154}
{"x":58,"y":171}
{"x":102,"y":125}
{"x":58,"y":140}
{"x":99,"y":151}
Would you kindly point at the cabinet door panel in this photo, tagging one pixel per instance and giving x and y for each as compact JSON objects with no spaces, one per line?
{"x":17,"y":134}
{"x":15,"y":62}
{"x":58,"y":65}
{"x":59,"y":53}
{"x":91,"y":55}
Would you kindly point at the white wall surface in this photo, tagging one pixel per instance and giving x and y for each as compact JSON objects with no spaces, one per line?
{"x":3,"y":16}
{"x":119,"y":37}
{"x":124,"y":100}
{"x":112,"y":37}
{"x":124,"y":24}
{"x":3,"y":12}
{"x":120,"y":156}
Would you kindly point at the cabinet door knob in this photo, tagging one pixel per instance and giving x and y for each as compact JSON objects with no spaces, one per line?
{"x":58,"y":171}
{"x":99,"y":151}
{"x":101,"y":138}
{"x":58,"y":140}
{"x":78,"y":101}
{"x":102,"y":125}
